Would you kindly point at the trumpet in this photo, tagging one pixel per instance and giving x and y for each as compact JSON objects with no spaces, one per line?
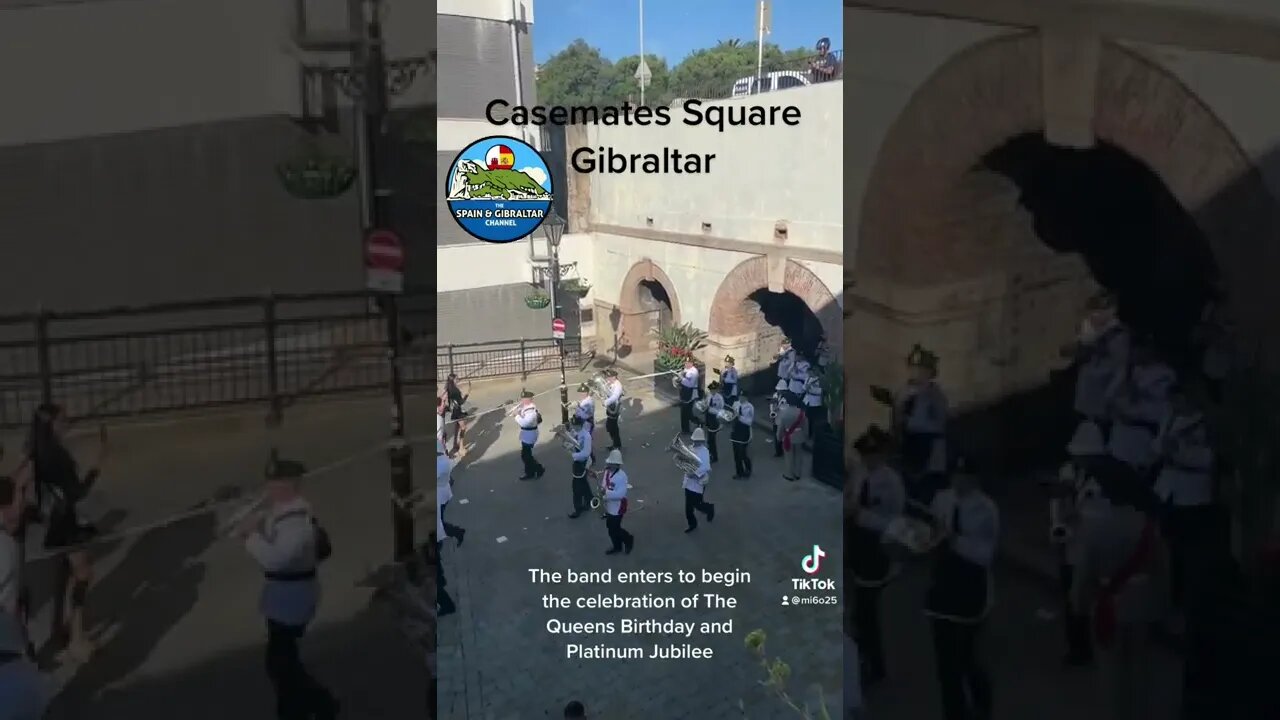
{"x":774,"y":403}
{"x":567,"y":439}
{"x":239,"y":516}
{"x":514,"y":408}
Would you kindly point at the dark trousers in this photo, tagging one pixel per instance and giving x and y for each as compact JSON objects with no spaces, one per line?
{"x":615,"y":437}
{"x":531,"y":465}
{"x":298,"y":695}
{"x":444,"y":603}
{"x":581,"y":488}
{"x":741,"y":460}
{"x":1185,"y":529}
{"x":686,"y":409}
{"x":1079,"y":631}
{"x":617,"y":536}
{"x":966,"y":688}
{"x":866,"y":630}
{"x":816,"y":415}
{"x":452,"y":531}
{"x":712,"y":452}
{"x":695,"y":501}
{"x":777,"y":443}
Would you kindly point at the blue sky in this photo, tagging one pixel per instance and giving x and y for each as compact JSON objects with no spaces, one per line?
{"x":525,"y":159}
{"x":675,"y":28}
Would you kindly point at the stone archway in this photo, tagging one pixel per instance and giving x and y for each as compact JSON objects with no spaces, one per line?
{"x":945,"y":254}
{"x":738,"y":326}
{"x":635,"y":323}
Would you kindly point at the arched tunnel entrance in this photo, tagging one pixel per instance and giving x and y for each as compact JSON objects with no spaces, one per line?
{"x":655,"y":306}
{"x":782,"y":316}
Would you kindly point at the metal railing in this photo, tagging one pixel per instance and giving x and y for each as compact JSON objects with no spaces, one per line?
{"x":475,"y":361}
{"x":774,"y":76}
{"x":273,"y":350}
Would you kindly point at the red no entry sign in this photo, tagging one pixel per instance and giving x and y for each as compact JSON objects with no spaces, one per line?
{"x":384,"y":261}
{"x":557,"y":329}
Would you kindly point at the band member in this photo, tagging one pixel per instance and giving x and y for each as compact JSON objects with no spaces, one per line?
{"x":54,"y":471}
{"x":613,"y":486}
{"x":799,"y":376}
{"x":1101,"y":353}
{"x":815,"y":410}
{"x":881,"y":497}
{"x":585,"y":410}
{"x":791,"y":435}
{"x":688,"y":394}
{"x":1138,"y":410}
{"x":711,"y":419}
{"x":444,"y":602}
{"x":613,"y":410}
{"x":285,"y":543}
{"x":786,"y":368}
{"x":528,"y":419}
{"x":961,"y":594}
{"x":1120,"y":581}
{"x":1184,"y":485}
{"x":444,"y":493}
{"x":454,"y":400}
{"x":740,"y":437}
{"x":1082,"y":499}
{"x":922,"y":417}
{"x":729,"y":379}
{"x":695,"y":483}
{"x":581,"y":463}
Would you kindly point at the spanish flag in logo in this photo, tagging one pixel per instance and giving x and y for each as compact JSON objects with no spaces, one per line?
{"x":500,"y":157}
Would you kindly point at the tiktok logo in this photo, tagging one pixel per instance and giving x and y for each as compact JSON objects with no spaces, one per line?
{"x":813,"y":561}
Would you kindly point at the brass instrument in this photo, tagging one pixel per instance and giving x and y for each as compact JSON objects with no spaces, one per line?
{"x":675,"y":380}
{"x":700,"y":406}
{"x":728,"y":414}
{"x":775,"y":402}
{"x":685,"y":458}
{"x":568,"y":438}
{"x":1062,"y":506}
{"x":599,"y":385}
{"x":916,"y":535}
{"x":239,"y":516}
{"x":515,"y":408}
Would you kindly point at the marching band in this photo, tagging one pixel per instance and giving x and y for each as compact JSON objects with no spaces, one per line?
{"x":921,"y":420}
{"x":580,"y":451}
{"x":528,"y":419}
{"x":613,"y":487}
{"x":696,"y":464}
{"x":879,"y":498}
{"x":613,"y":408}
{"x":711,"y":418}
{"x":688,"y":385}
{"x":744,"y":418}
{"x":789,"y":425}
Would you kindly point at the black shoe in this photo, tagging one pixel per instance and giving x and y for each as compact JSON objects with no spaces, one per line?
{"x":691,"y":528}
{"x":441,"y":612}
{"x":630,"y":544}
{"x":540,"y":473}
{"x":575,"y":514}
{"x":526,"y":477}
{"x":613,"y":551}
{"x":738,"y":477}
{"x":711,"y":513}
{"x":791,"y":479}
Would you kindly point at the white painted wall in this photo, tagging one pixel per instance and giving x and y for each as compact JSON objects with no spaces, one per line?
{"x":463,"y":267}
{"x":488,"y":9}
{"x":100,"y":68}
{"x":696,"y":272}
{"x":759,"y":175}
{"x":454,"y":135}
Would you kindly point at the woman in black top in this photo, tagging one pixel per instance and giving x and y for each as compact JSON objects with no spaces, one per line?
{"x":58,"y":480}
{"x":453,"y":412}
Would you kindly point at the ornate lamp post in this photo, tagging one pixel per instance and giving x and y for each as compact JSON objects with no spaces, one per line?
{"x":553,"y":228}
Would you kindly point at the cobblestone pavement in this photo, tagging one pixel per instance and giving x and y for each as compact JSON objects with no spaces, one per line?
{"x":498,"y":662}
{"x":1022,"y":644}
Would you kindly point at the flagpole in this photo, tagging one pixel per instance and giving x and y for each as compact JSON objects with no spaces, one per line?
{"x":641,"y":80}
{"x":759,"y":43}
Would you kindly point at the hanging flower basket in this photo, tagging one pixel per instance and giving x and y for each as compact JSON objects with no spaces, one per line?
{"x":576,"y":287}
{"x":537,"y":300}
{"x":316,"y":176}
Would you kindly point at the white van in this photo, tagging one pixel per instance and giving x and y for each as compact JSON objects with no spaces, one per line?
{"x":769,"y":82}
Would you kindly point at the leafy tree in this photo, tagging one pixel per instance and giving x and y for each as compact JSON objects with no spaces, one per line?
{"x":711,"y":72}
{"x":578,"y":75}
{"x":625,"y":87}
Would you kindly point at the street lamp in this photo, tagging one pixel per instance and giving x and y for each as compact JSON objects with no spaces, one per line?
{"x":553,"y":228}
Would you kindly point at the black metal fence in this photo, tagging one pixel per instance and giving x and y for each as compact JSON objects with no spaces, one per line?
{"x":181,"y":356}
{"x":473,"y":361}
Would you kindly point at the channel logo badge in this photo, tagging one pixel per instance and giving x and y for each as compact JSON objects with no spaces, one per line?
{"x":812,"y":562}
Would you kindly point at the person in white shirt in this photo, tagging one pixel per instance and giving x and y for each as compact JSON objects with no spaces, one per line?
{"x":786,"y":368}
{"x":613,"y":410}
{"x":528,"y":419}
{"x":613,"y":486}
{"x":1082,"y":501}
{"x":962,"y":593}
{"x":799,"y":376}
{"x":1184,"y":484}
{"x":880,"y":498}
{"x":711,"y":418}
{"x":729,"y":379}
{"x":286,"y":543}
{"x":921,"y":412}
{"x":740,"y":437}
{"x":815,"y":410}
{"x":585,"y":409}
{"x":695,"y":483}
{"x":581,"y":465}
{"x":688,"y":394}
{"x":1138,"y":410}
{"x":444,"y":493}
{"x":790,"y":435}
{"x":1101,"y":354}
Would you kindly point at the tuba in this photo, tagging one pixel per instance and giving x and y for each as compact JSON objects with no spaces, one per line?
{"x":728,"y":414}
{"x":599,"y":385}
{"x":683,"y":456}
{"x":567,"y":438}
{"x":700,"y":406}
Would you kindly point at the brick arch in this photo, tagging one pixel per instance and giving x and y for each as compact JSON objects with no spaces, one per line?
{"x":635,"y":327}
{"x":734,"y":315}
{"x":922,"y":194}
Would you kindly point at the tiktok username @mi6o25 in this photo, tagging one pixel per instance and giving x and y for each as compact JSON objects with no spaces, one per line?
{"x":603,"y":159}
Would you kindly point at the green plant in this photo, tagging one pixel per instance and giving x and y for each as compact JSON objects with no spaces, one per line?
{"x":777,"y":673}
{"x":537,"y":299}
{"x":575,"y":286}
{"x":678,"y":343}
{"x":314,"y":174}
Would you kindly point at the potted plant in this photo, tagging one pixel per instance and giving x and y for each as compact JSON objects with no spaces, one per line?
{"x":776,"y":675}
{"x":314,"y":174}
{"x":537,"y":299}
{"x":676,"y":344}
{"x":577,"y":287}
